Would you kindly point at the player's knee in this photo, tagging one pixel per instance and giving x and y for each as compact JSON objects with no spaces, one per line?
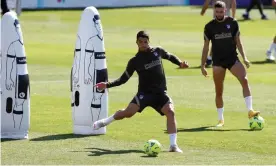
{"x":244,"y":81}
{"x":128,"y":113}
{"x":170,"y":113}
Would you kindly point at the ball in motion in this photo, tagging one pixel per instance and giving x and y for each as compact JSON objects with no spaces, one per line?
{"x":256,"y":123}
{"x":152,"y":148}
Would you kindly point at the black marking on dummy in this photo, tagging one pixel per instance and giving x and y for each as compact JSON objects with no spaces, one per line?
{"x":77,"y":98}
{"x":101,"y":76}
{"x":23,"y":85}
{"x":21,"y":60}
{"x":96,"y":105}
{"x":9,"y":104}
{"x":99,"y":55}
{"x":96,"y":18}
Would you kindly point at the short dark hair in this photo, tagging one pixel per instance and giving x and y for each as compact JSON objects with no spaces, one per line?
{"x":220,"y":4}
{"x":142,"y":34}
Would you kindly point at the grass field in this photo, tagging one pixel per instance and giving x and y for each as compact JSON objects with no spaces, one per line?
{"x":49,"y":40}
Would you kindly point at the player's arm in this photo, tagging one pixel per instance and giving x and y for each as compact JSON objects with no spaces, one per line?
{"x":123,"y":79}
{"x":205,"y":7}
{"x":241,"y":50}
{"x":239,"y":43}
{"x":205,"y":50}
{"x":173,"y":58}
{"x":234,"y":7}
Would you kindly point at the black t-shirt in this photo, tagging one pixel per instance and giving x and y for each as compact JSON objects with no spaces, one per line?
{"x":222,"y":34}
{"x":149,"y":68}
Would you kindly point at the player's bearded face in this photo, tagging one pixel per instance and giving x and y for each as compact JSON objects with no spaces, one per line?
{"x":220,"y":12}
{"x":143,"y":43}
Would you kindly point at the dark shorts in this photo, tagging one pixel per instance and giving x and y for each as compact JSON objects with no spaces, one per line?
{"x":226,"y":64}
{"x":23,"y":86}
{"x":156,"y":101}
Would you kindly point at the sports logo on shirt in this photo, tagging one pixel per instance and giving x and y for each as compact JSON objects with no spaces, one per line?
{"x":228,"y":26}
{"x":155,"y":53}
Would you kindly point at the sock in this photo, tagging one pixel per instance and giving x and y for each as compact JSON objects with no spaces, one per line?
{"x":108,"y":120}
{"x":272,"y":46}
{"x":220,"y":113}
{"x":248,"y":102}
{"x":173,"y":138}
{"x":209,"y":57}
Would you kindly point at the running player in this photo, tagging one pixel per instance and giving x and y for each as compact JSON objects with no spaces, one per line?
{"x":230,"y":4}
{"x":224,"y":33}
{"x":152,"y":90}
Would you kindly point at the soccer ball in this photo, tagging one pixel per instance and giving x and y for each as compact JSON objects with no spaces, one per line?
{"x":152,"y":148}
{"x":256,"y":123}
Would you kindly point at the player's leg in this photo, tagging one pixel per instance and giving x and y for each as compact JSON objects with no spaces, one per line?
{"x":119,"y":115}
{"x":249,"y":8}
{"x":137,"y":104}
{"x":164,"y":105}
{"x":272,"y":48}
{"x":218,"y":77}
{"x":239,"y":72}
{"x":260,"y":7}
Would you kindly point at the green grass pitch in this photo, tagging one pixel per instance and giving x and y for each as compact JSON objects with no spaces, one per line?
{"x":49,"y":38}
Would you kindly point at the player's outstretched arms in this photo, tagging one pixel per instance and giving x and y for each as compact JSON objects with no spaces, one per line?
{"x":123,"y":79}
{"x":174,"y":59}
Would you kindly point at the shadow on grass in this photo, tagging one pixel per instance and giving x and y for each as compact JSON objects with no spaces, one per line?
{"x":8,"y":139}
{"x":243,"y":20}
{"x":263,"y":62}
{"x":60,"y":137}
{"x":207,"y":128}
{"x":100,"y":151}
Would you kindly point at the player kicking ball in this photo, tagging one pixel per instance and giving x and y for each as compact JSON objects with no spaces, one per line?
{"x":224,"y":33}
{"x":152,"y":90}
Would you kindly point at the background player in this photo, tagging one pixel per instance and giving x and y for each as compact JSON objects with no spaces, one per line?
{"x":272,"y":47}
{"x":270,"y":51}
{"x":152,"y":90}
{"x":252,"y":4}
{"x":230,"y":4}
{"x":14,"y":5}
{"x":225,"y":36}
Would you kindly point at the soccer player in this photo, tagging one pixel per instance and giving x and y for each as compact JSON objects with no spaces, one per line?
{"x":14,"y":5}
{"x":230,"y":4}
{"x":152,"y":89}
{"x":252,"y":4}
{"x":224,"y":33}
{"x":269,"y":52}
{"x":272,"y":47}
